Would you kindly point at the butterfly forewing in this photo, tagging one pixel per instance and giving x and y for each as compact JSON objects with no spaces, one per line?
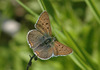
{"x":43,"y":23}
{"x":60,"y":49}
{"x":34,"y":38}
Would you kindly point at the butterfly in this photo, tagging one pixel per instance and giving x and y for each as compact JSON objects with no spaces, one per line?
{"x":41,"y":41}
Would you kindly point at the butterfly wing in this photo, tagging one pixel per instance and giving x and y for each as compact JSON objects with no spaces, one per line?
{"x":43,"y":52}
{"x":60,"y":49}
{"x":43,"y":24}
{"x":34,"y":38}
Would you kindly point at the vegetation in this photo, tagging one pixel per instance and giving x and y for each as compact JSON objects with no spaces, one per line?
{"x":75,"y":23}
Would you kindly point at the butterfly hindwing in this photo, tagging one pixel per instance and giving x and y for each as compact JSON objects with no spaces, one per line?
{"x":43,"y":23}
{"x":60,"y":49}
{"x":44,"y":52}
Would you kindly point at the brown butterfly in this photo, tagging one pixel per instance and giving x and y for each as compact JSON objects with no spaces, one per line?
{"x":44,"y":46}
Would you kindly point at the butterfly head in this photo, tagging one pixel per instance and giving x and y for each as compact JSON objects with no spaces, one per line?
{"x":49,"y":40}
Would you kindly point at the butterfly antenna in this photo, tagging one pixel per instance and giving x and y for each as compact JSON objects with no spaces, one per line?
{"x":30,"y":62}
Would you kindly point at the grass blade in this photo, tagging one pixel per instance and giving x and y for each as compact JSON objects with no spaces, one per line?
{"x":94,"y":10}
{"x":26,"y":8}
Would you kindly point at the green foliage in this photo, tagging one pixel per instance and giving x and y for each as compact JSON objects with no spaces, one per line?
{"x":75,"y":23}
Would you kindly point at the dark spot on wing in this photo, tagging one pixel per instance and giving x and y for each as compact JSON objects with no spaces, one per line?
{"x":42,"y":24}
{"x":59,"y":50}
{"x":47,"y":27}
{"x":46,"y":23}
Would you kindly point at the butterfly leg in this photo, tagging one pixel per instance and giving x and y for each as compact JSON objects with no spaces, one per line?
{"x":30,"y":62}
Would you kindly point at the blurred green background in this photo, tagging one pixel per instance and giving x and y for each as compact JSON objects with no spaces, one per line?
{"x":75,"y":23}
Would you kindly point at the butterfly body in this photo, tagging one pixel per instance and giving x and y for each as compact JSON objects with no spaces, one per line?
{"x":47,"y":42}
{"x":41,"y":41}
